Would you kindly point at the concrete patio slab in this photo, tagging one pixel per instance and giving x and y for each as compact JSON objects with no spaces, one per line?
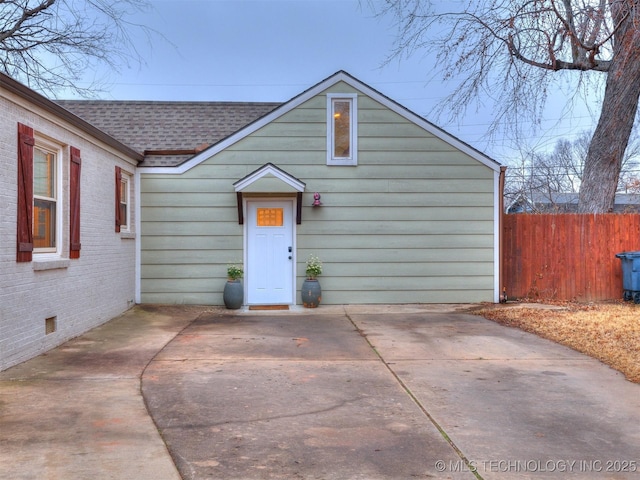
{"x":353,"y":392}
{"x":304,"y":336}
{"x":256,"y":419}
{"x":77,"y":412}
{"x":516,"y":405}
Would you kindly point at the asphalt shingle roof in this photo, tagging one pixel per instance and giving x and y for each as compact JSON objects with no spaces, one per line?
{"x":150,"y":127}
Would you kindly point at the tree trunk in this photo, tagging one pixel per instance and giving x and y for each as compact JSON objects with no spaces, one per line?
{"x":611,"y":136}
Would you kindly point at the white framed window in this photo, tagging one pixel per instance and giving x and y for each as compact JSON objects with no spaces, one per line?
{"x":342,"y":129}
{"x":125,"y":203}
{"x":47,"y":198}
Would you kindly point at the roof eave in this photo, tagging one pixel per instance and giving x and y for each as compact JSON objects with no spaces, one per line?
{"x":41,"y":101}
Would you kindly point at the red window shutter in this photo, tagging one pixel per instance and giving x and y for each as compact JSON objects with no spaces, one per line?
{"x":25,"y":194}
{"x":118,"y":181}
{"x":74,"y":203}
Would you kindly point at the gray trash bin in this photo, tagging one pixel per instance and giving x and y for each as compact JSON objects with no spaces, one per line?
{"x":630,"y":275}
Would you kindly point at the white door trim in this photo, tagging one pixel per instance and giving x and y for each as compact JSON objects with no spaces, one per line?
{"x":258,"y":200}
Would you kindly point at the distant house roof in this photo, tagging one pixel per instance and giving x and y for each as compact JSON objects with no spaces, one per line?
{"x":567,"y":202}
{"x":168,"y":133}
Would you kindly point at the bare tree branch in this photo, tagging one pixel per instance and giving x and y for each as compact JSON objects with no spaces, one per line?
{"x":50,"y":44}
{"x":511,"y":51}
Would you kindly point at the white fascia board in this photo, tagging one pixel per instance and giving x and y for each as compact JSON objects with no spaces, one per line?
{"x":269,"y":169}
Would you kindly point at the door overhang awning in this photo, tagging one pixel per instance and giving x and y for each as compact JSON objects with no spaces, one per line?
{"x":269,"y":179}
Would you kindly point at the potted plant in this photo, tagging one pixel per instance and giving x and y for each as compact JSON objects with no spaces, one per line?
{"x":233,"y":294}
{"x":311,"y":292}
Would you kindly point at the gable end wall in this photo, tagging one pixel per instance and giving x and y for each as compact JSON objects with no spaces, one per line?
{"x":412,"y":223}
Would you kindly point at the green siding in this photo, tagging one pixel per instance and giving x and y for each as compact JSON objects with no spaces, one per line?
{"x":412,"y":223}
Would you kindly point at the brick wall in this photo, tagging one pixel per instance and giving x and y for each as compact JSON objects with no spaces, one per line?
{"x":82,"y":293}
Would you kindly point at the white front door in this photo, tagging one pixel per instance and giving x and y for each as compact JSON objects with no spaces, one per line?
{"x":270,"y":252}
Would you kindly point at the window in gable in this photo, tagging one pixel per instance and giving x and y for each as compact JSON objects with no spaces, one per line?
{"x":342,"y":144}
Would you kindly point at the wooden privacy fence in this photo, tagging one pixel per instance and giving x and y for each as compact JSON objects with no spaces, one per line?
{"x":566,"y":256}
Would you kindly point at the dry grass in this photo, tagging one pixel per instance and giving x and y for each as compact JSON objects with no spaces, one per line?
{"x":608,"y":332}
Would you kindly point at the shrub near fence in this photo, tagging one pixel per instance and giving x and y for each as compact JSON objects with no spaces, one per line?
{"x":566,"y":256}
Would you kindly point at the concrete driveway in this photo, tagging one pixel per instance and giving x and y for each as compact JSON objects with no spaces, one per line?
{"x":354,"y":392}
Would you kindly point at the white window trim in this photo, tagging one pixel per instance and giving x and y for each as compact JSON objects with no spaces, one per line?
{"x":126,"y":178}
{"x":353,"y":129}
{"x":50,"y":253}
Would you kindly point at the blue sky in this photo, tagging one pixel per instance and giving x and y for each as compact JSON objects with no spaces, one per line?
{"x":271,"y":50}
